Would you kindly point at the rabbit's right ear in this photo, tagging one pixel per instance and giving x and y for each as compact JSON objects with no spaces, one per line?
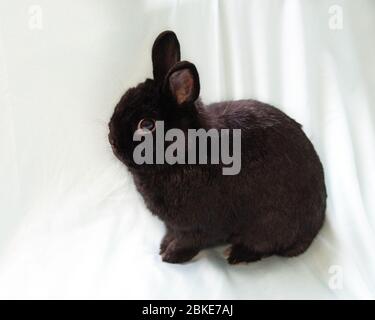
{"x":182,"y":83}
{"x":165,"y":54}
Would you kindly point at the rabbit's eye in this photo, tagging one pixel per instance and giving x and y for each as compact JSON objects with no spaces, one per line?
{"x":148,"y":124}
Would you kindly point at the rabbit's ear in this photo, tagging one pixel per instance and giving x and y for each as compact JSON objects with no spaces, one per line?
{"x":182,"y":82}
{"x":165,"y":54}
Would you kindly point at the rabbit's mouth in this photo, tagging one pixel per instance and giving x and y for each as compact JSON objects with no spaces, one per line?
{"x":120,"y":155}
{"x":115,"y":151}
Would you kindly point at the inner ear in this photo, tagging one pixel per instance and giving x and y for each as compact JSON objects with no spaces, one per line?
{"x":183,"y":83}
{"x":165,"y":54}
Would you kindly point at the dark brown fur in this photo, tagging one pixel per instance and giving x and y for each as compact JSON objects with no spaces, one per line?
{"x":275,"y":205}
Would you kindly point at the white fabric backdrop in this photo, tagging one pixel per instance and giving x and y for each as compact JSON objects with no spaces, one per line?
{"x":71,"y":222}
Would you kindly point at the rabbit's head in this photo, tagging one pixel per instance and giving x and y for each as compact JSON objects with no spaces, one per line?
{"x":169,"y":97}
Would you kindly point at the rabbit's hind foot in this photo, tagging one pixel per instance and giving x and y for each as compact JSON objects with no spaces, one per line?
{"x":239,"y":253}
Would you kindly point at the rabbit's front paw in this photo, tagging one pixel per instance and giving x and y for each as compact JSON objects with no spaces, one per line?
{"x":167,"y":239}
{"x":176,"y":253}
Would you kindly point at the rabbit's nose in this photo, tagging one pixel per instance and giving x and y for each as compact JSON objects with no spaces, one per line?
{"x":111,"y":140}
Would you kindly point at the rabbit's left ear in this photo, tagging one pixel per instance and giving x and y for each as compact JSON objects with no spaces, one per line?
{"x":182,"y":82}
{"x":165,"y":54}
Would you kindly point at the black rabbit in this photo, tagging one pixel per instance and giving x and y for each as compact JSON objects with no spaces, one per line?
{"x":275,"y":205}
